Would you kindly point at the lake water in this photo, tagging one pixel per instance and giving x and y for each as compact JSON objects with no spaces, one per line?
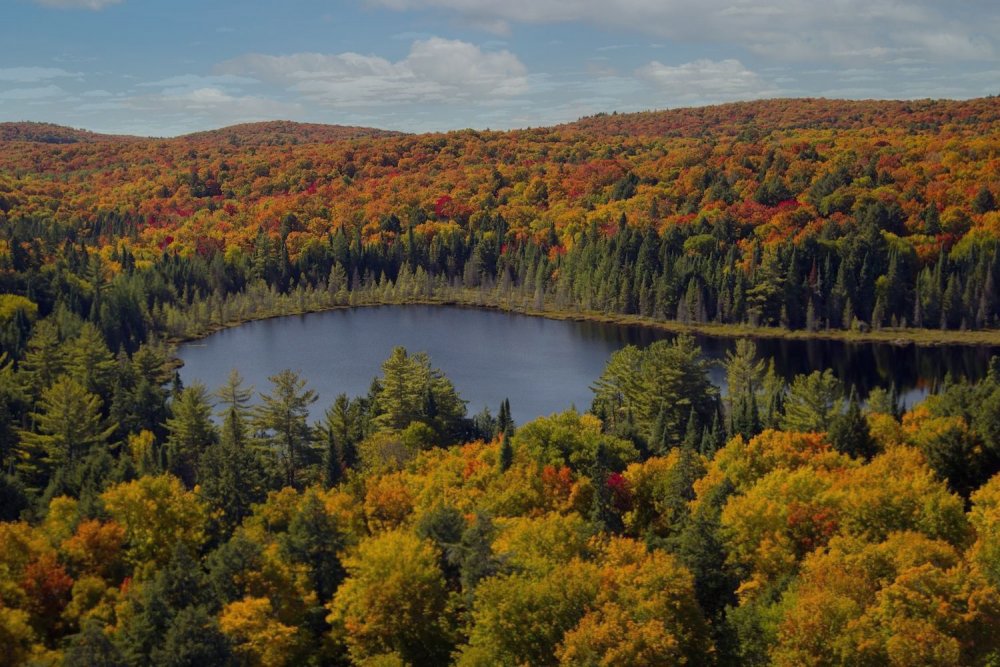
{"x":543,"y":366}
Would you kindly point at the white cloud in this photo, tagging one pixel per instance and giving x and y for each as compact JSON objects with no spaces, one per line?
{"x":93,"y":5}
{"x":705,"y":82}
{"x":438,"y":71}
{"x":191,"y":82}
{"x":33,"y":74}
{"x":782,"y":29}
{"x":214,"y":103}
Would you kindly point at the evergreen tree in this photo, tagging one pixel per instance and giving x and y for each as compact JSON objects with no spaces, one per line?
{"x":411,"y":390}
{"x":281,"y":418}
{"x":812,"y":403}
{"x":701,"y":546}
{"x":68,"y":426}
{"x":234,"y":408}
{"x":713,"y":438}
{"x":506,"y":452}
{"x":849,"y":432}
{"x":45,"y":358}
{"x":692,"y":434}
{"x":88,"y":360}
{"x":91,"y":647}
{"x":193,"y":639}
{"x":315,"y":540}
{"x":232,"y":480}
{"x":343,"y":427}
{"x":746,"y":417}
{"x":13,"y":404}
{"x":602,"y":513}
{"x":984,"y":201}
{"x":505,"y":424}
{"x":190,"y":432}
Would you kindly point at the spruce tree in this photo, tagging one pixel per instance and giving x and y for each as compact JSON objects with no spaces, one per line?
{"x":849,"y":432}
{"x":506,"y":452}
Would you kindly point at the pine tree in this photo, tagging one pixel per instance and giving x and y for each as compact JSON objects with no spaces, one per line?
{"x":602,"y":514}
{"x":44,"y":359}
{"x":713,"y":438}
{"x":68,"y":426}
{"x":315,"y":540}
{"x":13,"y":404}
{"x":190,"y":432}
{"x":812,"y":403}
{"x":88,"y":360}
{"x":984,"y":202}
{"x":692,"y":433}
{"x":234,"y":408}
{"x":506,"y":452}
{"x":849,"y":432}
{"x":281,"y":417}
{"x":505,"y":424}
{"x":232,"y":480}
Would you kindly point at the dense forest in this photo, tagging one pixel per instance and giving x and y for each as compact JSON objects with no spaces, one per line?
{"x":145,"y":522}
{"x":803,"y":214}
{"x":785,"y":524}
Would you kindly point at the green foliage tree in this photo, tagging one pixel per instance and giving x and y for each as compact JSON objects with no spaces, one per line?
{"x":661,"y":383}
{"x":68,"y":426}
{"x":190,"y":432}
{"x":744,"y":370}
{"x":45,"y":359}
{"x":812,"y":403}
{"x":572,"y":439}
{"x":341,"y":429}
{"x":412,"y":390}
{"x":281,"y":418}
{"x":849,"y":432}
{"x":13,"y":404}
{"x":89,"y":361}
{"x":234,"y":408}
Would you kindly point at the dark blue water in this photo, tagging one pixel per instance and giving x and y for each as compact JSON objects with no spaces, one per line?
{"x":543,"y":366}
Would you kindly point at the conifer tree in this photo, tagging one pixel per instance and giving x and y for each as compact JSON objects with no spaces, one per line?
{"x":68,"y":426}
{"x":190,"y":432}
{"x":849,"y":432}
{"x":506,"y":452}
{"x":281,"y":417}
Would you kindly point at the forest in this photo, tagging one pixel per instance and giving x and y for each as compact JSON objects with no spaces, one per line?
{"x":148,"y":522}
{"x":807,"y":215}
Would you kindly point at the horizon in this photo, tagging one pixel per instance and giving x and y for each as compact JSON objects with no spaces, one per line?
{"x":596,"y":114}
{"x":129,"y":68}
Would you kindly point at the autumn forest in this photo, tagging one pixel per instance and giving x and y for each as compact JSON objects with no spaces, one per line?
{"x":145,"y":521}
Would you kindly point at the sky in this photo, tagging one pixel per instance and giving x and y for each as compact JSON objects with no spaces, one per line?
{"x":163,"y":68}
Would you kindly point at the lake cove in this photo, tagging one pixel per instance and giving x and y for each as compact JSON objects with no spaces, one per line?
{"x":542,"y":365}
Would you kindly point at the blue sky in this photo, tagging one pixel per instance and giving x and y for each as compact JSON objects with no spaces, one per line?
{"x":158,"y":67}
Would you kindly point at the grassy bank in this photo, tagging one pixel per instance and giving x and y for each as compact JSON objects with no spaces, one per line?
{"x":205,"y":318}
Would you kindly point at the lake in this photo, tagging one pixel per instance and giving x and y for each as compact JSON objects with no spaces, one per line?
{"x":543,"y":366}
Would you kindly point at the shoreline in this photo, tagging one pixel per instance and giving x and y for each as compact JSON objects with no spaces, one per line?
{"x":885,"y":336}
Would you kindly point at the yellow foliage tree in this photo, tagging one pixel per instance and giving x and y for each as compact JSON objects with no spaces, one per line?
{"x":393,"y":600}
{"x":157,"y":513}
{"x":258,"y":637}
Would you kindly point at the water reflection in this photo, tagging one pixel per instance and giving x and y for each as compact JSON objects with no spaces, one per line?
{"x":542,"y":365}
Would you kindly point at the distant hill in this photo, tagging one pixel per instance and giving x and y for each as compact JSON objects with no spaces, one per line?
{"x":746,"y":118}
{"x":49,"y":133}
{"x":794,"y":114}
{"x":266,"y":133}
{"x":284,"y":132}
